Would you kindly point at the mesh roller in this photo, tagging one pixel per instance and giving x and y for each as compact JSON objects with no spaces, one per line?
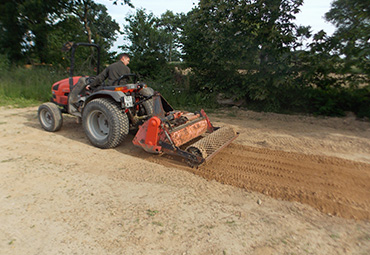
{"x":209,"y":144}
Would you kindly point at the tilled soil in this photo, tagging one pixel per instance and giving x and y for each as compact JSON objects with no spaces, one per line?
{"x":286,"y":185}
{"x":332,"y":185}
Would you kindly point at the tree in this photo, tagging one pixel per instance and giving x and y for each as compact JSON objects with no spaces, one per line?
{"x":243,"y":48}
{"x":26,"y":21}
{"x":147,"y":43}
{"x":352,"y":35}
{"x":94,"y":18}
{"x":172,"y":24}
{"x":39,"y":16}
{"x":12,"y":30}
{"x":122,"y":2}
{"x":98,"y":27}
{"x":32,"y":27}
{"x":82,"y":9}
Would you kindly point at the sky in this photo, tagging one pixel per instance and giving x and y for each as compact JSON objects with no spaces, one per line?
{"x":312,"y":12}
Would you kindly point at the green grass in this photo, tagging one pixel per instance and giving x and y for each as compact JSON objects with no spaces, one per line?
{"x":157,"y":223}
{"x":22,"y":87}
{"x":334,"y":236}
{"x":18,"y":102}
{"x":151,"y":213}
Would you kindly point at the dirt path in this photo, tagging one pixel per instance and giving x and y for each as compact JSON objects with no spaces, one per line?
{"x":287,"y":185}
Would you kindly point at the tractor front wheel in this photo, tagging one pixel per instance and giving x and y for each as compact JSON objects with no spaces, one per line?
{"x":148,"y":104}
{"x":50,"y":117}
{"x":105,"y":125}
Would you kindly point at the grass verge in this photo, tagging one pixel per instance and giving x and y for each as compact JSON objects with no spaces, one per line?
{"x":20,"y":87}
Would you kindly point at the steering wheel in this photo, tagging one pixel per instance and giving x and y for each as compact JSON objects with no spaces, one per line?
{"x":125,"y":76}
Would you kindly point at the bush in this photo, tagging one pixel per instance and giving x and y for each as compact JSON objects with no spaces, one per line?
{"x":360,"y":102}
{"x":176,"y":89}
{"x":22,"y":87}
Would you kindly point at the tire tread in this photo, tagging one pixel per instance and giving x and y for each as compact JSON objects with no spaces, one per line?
{"x":119,"y":121}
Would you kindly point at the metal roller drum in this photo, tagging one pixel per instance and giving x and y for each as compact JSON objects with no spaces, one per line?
{"x":208,"y":146}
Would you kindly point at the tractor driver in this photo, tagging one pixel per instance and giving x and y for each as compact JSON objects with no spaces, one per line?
{"x":112,"y":73}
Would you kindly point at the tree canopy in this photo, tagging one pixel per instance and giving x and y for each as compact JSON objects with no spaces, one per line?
{"x":251,"y":49}
{"x":152,"y":41}
{"x":34,"y":30}
{"x":242,"y":47}
{"x":352,"y":35}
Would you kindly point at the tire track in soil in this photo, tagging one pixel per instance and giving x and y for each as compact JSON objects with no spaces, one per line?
{"x":332,"y":185}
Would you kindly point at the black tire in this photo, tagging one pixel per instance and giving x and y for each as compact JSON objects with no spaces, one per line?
{"x":148,"y":105}
{"x":105,"y":125}
{"x":50,"y":117}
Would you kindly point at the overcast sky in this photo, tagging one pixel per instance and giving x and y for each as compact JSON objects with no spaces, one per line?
{"x":312,"y":12}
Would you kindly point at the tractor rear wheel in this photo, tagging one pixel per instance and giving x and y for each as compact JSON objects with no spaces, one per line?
{"x":50,"y":117}
{"x":105,"y":125}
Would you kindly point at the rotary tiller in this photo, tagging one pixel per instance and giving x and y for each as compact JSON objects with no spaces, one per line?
{"x":188,"y":135}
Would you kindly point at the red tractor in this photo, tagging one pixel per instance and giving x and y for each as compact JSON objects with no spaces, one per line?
{"x":109,"y":112}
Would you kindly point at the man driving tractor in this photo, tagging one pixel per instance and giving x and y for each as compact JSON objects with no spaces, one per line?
{"x":112,"y":73}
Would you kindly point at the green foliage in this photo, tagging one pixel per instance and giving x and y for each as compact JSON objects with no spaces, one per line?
{"x":19,"y":85}
{"x":122,"y":2}
{"x":4,"y":63}
{"x":337,"y":101}
{"x":360,"y":101}
{"x":328,"y":102}
{"x":152,"y":41}
{"x":243,"y":48}
{"x":174,"y":87}
{"x":103,"y":27}
{"x":86,"y":21}
{"x":12,"y":30}
{"x":146,"y":43}
{"x":253,"y":50}
{"x":352,"y":20}
{"x":171,"y":26}
{"x":34,"y":31}
{"x":38,"y":17}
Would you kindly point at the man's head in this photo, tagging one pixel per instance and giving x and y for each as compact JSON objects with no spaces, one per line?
{"x":125,"y":58}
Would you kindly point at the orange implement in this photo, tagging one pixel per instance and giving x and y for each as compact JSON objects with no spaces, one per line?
{"x":168,"y":131}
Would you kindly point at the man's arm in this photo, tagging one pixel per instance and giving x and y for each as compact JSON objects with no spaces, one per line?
{"x":99,"y":79}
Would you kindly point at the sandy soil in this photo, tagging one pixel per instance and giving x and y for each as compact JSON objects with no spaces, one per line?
{"x":286,"y":185}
